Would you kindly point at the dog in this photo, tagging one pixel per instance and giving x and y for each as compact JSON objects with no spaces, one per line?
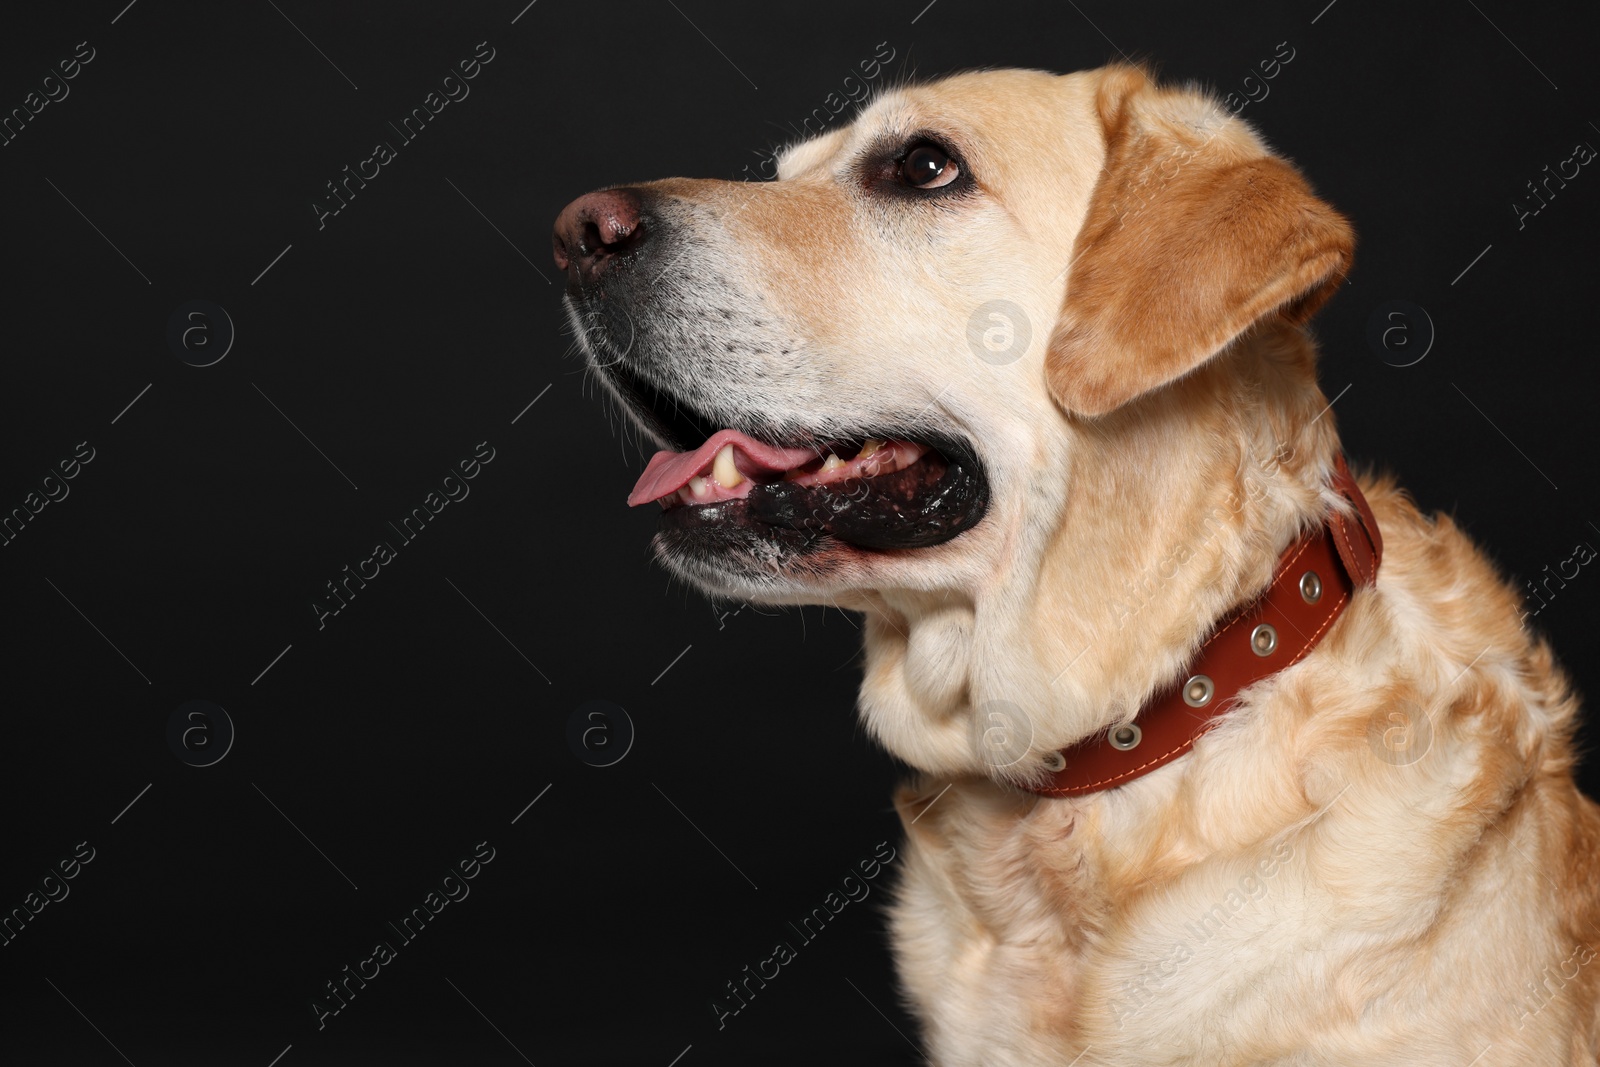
{"x":1226,"y":756}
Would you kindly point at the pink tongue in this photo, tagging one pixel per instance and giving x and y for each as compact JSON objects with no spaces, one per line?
{"x":668,"y":472}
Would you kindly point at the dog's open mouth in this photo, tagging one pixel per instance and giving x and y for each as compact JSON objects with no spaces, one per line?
{"x":798,"y":491}
{"x":872,"y":492}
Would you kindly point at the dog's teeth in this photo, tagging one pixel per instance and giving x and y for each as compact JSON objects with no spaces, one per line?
{"x":872,"y":445}
{"x":698,"y":488}
{"x":723,"y":470}
{"x":832,"y":463}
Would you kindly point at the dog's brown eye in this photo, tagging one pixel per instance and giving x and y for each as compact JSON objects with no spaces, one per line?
{"x":928,"y":167}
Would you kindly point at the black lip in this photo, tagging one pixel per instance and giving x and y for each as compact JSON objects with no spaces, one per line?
{"x":928,"y":503}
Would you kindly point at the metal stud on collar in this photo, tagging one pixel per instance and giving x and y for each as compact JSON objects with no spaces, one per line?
{"x":1197,"y":691}
{"x":1310,"y":587}
{"x":1125,"y":738}
{"x":1055,"y":762}
{"x":1264,"y":639}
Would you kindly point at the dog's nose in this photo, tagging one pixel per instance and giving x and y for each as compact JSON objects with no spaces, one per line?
{"x":594,"y":230}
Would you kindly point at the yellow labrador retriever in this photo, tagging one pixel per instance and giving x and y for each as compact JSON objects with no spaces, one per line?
{"x":1227,"y":757}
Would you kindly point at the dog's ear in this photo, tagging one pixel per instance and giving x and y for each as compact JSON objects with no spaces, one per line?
{"x":1194,"y":232}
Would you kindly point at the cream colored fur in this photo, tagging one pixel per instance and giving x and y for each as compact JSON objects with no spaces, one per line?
{"x":1379,"y":856}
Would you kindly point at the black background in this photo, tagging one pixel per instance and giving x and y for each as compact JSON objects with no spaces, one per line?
{"x":422,"y":320}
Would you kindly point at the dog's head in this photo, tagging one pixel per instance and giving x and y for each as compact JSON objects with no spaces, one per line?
{"x":926,"y":367}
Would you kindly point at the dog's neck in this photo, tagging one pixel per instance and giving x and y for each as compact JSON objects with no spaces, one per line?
{"x":1075,"y":630}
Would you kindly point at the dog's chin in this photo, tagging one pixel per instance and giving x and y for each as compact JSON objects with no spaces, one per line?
{"x":753,"y":565}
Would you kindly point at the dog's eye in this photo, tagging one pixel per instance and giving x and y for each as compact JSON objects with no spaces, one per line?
{"x":927,"y":166}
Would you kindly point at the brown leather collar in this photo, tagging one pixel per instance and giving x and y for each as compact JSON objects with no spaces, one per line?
{"x":1314,"y":581}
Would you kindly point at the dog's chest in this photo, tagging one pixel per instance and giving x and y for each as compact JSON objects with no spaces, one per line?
{"x":1017,"y":957}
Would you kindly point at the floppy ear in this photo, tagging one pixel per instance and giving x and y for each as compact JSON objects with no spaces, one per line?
{"x":1194,"y":233}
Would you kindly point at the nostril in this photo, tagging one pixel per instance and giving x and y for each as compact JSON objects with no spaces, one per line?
{"x":590,"y":239}
{"x":609,"y":234}
{"x":626,"y":237}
